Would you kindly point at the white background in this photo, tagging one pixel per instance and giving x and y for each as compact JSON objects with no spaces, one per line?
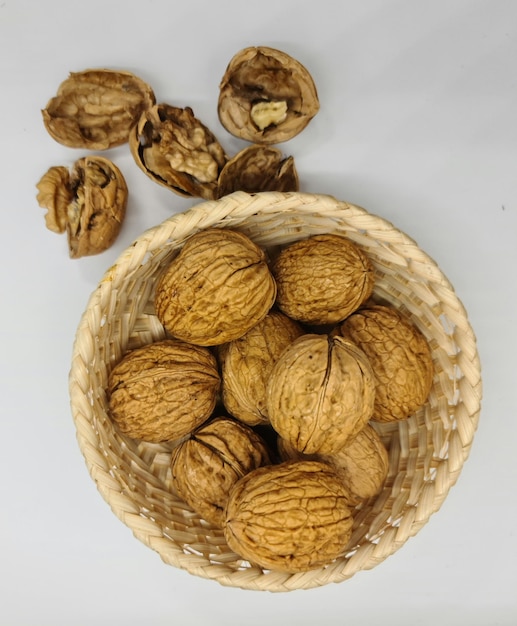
{"x":418,"y":124}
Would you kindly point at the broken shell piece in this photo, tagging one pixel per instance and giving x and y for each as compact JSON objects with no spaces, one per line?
{"x":95,"y":109}
{"x":266,"y":96}
{"x":258,"y":168}
{"x":177,"y":151}
{"x":88,"y":202}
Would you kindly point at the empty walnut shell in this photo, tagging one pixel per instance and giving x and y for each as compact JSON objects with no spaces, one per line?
{"x":266,"y":96}
{"x":246,"y":364}
{"x":95,"y":109}
{"x":291,"y":517}
{"x":258,"y":168}
{"x":216,"y":289}
{"x":362,"y":463}
{"x":164,"y":390}
{"x":211,"y":460}
{"x":322,"y":279}
{"x":178,"y":151}
{"x":320,"y":393}
{"x":89,"y":203}
{"x":400,"y":356}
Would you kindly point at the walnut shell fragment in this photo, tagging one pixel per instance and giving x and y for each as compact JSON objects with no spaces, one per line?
{"x":400,"y":356}
{"x":207,"y":465}
{"x":362,"y":463}
{"x":322,"y":279}
{"x":320,"y":393}
{"x":258,"y":168}
{"x":266,"y":96}
{"x":178,"y":151}
{"x":163,"y":390}
{"x":216,"y":289}
{"x":95,"y":109}
{"x":89,"y":203}
{"x":291,"y":517}
{"x":247,"y":362}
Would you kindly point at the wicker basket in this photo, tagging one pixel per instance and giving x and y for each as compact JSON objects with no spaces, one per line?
{"x":426,"y":451}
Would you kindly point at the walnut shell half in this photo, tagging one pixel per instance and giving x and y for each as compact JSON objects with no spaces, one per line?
{"x":290,"y":517}
{"x":400,"y":356}
{"x":95,"y":109}
{"x":320,"y":393}
{"x":89,"y":203}
{"x":322,"y":279}
{"x":266,"y":96}
{"x":216,"y":289}
{"x":178,"y":151}
{"x":213,"y":458}
{"x":163,"y":390}
{"x":258,"y":168}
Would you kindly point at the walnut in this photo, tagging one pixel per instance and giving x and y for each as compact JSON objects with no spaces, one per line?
{"x":290,"y":517}
{"x":208,"y":464}
{"x":89,"y":203}
{"x":322,"y":279}
{"x":400,"y":356}
{"x":247,"y":362}
{"x":266,"y":96}
{"x":178,"y":151}
{"x":163,"y":390}
{"x":362,"y":463}
{"x":95,"y":109}
{"x":258,"y":168}
{"x":320,"y":393}
{"x":216,"y":289}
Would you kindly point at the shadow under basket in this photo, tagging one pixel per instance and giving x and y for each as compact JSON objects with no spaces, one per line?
{"x":426,"y":451}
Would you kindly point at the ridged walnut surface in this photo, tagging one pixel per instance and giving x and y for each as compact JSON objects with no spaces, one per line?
{"x":290,"y":517}
{"x":426,"y":452}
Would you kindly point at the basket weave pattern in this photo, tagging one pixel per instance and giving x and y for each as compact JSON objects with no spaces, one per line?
{"x":426,"y":451}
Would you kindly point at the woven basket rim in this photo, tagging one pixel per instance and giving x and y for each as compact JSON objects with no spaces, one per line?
{"x":233,"y":211}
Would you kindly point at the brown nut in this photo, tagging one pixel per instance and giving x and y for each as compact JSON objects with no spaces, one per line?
{"x":89,"y":202}
{"x":162,"y":391}
{"x":291,"y":517}
{"x":258,"y":168}
{"x":95,"y":109}
{"x":207,"y":465}
{"x":362,"y":463}
{"x":322,"y":279}
{"x":266,"y":96}
{"x":320,"y":393}
{"x":247,"y":362}
{"x":177,"y":151}
{"x":400,"y":356}
{"x":216,"y":289}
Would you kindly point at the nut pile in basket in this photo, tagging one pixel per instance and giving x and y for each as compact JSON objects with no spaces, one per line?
{"x":274,"y":369}
{"x":265,"y":97}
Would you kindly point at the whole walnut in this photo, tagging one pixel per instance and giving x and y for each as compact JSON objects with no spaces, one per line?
{"x":216,"y":289}
{"x":320,"y":393}
{"x":266,"y":96}
{"x":362,"y":463}
{"x":322,"y":279}
{"x":162,"y":391}
{"x":207,"y":464}
{"x":246,"y":364}
{"x":291,"y":517}
{"x":400,"y":356}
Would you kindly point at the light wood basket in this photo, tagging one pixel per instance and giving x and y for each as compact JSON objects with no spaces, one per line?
{"x":426,"y":451}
